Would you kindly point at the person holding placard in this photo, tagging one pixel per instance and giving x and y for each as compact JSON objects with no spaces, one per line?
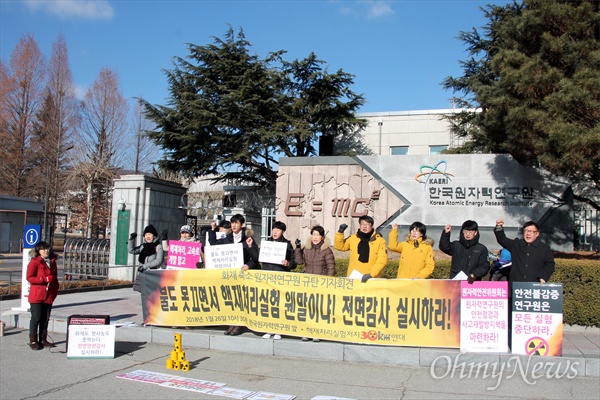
{"x":186,"y":235}
{"x":237,"y":234}
{"x":217,"y":232}
{"x":287,"y":262}
{"x":368,"y":254}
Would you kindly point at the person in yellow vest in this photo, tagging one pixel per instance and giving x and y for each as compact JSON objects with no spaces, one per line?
{"x":368,"y":254}
{"x":416,"y":252}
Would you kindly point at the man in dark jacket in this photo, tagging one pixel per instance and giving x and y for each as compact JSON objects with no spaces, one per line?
{"x":244,"y":236}
{"x":239,"y":234}
{"x":467,"y":253}
{"x":532,"y":260}
{"x":277,"y":236}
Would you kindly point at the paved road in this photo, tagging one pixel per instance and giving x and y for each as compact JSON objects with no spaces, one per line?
{"x":49,"y":374}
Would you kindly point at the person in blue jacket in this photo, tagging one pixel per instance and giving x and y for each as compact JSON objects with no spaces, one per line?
{"x":501,"y":263}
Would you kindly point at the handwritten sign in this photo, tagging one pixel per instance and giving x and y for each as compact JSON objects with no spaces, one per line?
{"x":91,"y":341}
{"x":272,"y":252}
{"x":224,"y":256}
{"x":183,"y":254}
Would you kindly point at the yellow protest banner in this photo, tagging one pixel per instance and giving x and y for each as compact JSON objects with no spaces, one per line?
{"x":381,"y":311}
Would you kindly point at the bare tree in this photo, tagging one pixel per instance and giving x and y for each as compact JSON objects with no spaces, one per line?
{"x":101,"y":147}
{"x":22,"y":88}
{"x":57,"y":119}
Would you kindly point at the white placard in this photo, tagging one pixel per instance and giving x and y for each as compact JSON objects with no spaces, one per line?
{"x":272,"y":252}
{"x":91,"y":341}
{"x":355,"y":275}
{"x":224,"y":256}
{"x":461,"y":276}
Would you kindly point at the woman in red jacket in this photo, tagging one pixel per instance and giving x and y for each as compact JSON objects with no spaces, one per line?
{"x":42,"y":275}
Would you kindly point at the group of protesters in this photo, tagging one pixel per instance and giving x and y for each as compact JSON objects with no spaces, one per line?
{"x":532,"y":260}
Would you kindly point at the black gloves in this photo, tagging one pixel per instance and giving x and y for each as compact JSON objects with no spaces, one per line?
{"x":141,"y":268}
{"x":132,"y":236}
{"x":343,"y":227}
{"x":199,"y":265}
{"x":471,"y":279}
{"x":164,"y":234}
{"x":298,"y":243}
{"x":365,"y":278}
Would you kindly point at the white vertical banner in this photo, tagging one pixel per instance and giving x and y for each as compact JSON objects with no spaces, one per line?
{"x":484,"y":317}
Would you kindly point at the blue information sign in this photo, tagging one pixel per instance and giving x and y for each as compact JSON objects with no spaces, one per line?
{"x":32,"y":235}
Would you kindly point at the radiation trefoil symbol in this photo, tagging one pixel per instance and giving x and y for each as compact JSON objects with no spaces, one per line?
{"x":537,"y":346}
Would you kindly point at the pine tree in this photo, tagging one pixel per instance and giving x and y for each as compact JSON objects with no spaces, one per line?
{"x":233,"y":115}
{"x":534,"y":78}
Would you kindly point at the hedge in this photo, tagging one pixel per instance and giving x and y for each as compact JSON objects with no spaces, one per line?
{"x":580,"y":279}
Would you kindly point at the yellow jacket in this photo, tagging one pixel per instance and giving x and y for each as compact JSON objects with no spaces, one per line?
{"x":415,"y":262}
{"x":377,"y":253}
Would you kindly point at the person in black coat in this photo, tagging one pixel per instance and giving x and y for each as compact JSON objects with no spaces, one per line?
{"x":238,"y":234}
{"x":288,"y":263}
{"x":244,"y":236}
{"x":467,"y":253}
{"x":532,"y":260}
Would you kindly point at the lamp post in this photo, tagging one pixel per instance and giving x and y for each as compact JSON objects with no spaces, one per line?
{"x":380,"y":124}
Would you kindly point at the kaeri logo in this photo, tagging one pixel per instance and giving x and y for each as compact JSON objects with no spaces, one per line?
{"x":434,"y":175}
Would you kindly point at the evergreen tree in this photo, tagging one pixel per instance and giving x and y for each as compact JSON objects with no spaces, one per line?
{"x":232,"y":114}
{"x":532,"y":87}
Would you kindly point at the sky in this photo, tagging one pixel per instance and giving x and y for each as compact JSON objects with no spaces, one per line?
{"x":398,"y":51}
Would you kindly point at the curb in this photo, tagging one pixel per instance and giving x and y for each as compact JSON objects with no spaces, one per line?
{"x":73,"y":290}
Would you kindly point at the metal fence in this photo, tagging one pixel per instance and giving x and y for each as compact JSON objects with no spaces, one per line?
{"x":588,"y":229}
{"x":268,"y":217}
{"x":12,"y":247}
{"x":86,"y":258}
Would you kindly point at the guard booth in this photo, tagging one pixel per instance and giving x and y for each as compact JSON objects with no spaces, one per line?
{"x":138,"y":201}
{"x":86,"y":258}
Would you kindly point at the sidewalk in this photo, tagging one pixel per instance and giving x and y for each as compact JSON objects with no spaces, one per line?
{"x":581,"y":346}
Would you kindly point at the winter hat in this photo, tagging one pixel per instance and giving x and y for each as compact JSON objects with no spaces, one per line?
{"x":151,"y":229}
{"x":186,"y":228}
{"x":279,"y":225}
